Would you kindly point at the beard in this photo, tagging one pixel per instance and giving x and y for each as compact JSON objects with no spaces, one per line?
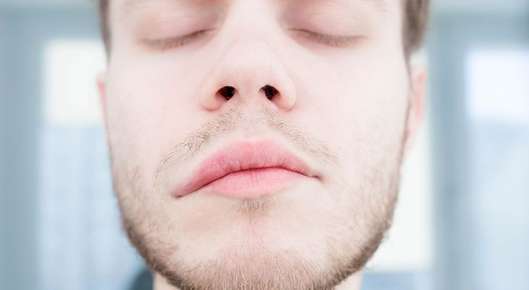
{"x":306,"y":238}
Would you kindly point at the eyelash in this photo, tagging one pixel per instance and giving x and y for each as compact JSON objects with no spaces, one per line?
{"x":174,"y":42}
{"x":326,"y":39}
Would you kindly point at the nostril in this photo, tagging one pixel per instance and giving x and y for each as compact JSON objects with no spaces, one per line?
{"x":227,"y":92}
{"x":270,"y":91}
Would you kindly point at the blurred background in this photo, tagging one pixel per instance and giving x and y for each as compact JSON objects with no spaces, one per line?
{"x":462,"y":221}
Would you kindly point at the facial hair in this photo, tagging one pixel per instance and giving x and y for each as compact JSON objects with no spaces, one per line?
{"x":288,"y":271}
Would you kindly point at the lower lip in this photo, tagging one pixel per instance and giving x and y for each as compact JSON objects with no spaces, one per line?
{"x":253,"y":183}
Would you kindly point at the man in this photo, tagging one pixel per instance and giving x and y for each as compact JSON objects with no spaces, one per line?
{"x":258,"y":144}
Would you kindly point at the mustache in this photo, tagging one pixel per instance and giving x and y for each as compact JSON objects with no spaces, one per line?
{"x":237,"y":119}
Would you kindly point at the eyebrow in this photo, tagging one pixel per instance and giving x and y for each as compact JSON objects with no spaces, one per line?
{"x":377,"y":5}
{"x":129,"y":5}
{"x":380,"y":5}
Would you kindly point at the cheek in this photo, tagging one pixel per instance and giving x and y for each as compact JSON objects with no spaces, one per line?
{"x":151,"y":107}
{"x":357,"y":105}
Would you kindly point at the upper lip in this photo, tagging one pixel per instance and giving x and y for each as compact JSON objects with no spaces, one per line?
{"x":242,"y":156}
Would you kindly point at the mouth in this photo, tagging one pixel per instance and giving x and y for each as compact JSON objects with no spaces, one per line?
{"x":247,"y":170}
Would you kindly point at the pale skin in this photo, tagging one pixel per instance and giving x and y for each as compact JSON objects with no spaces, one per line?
{"x":343,"y":85}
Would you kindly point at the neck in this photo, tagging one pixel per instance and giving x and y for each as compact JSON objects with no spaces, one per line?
{"x":352,"y":283}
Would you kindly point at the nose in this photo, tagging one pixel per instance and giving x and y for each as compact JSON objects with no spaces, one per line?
{"x":246,"y":74}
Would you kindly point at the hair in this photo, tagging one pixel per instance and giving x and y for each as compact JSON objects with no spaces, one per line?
{"x":415,"y":22}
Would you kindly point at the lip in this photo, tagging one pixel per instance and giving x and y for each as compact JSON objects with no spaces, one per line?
{"x":247,"y":170}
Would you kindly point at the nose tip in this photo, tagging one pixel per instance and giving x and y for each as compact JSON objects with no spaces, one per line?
{"x":249,"y":75}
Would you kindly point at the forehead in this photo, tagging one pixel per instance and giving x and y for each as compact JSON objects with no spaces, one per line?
{"x":125,"y":6}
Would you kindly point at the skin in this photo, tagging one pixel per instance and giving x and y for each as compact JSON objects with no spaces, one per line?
{"x":349,"y":105}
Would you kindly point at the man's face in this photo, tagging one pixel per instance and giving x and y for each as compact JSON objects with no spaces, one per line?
{"x":257,"y":144}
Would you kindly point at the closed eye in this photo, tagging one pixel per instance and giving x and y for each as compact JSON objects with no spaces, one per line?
{"x":328,"y":39}
{"x":175,"y":42}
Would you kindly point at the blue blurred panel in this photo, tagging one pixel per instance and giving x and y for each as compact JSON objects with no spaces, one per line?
{"x":397,"y":281}
{"x":82,"y":244}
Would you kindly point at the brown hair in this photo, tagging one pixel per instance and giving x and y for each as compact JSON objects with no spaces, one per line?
{"x":416,"y":14}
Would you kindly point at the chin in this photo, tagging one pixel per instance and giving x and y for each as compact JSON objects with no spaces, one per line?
{"x":294,"y":221}
{"x":304,"y":237}
{"x":276,"y":265}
